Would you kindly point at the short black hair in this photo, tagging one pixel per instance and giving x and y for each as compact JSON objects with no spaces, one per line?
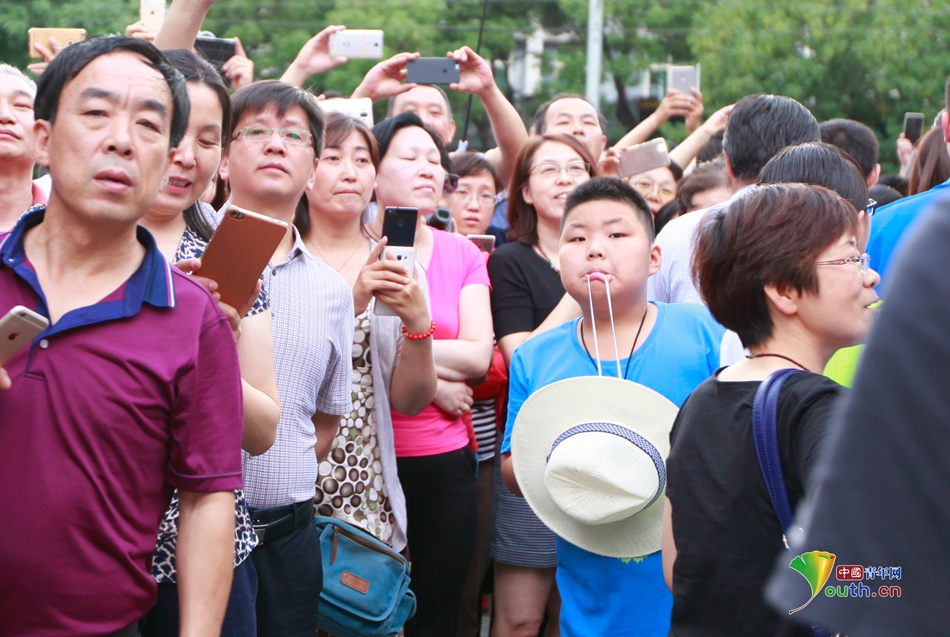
{"x":610,"y":189}
{"x":387,"y":129}
{"x":73,"y":59}
{"x":760,"y":126}
{"x":883,"y":195}
{"x":896,"y":182}
{"x":468,"y":164}
{"x":819,"y":164}
{"x":259,"y":96}
{"x":854,"y":138}
{"x":539,"y":126}
{"x":711,"y":150}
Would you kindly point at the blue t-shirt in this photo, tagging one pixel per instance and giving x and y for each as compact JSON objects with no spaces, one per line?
{"x":605,"y":595}
{"x":892,"y":223}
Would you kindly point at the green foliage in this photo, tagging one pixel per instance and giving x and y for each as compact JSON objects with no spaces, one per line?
{"x":869,"y":60}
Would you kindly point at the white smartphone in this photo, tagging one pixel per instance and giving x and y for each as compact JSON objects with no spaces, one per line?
{"x":357,"y":44}
{"x":17,"y":329}
{"x":682,"y":78}
{"x":361,"y":108}
{"x":643,"y":157}
{"x":407,"y":258}
{"x":152,"y":13}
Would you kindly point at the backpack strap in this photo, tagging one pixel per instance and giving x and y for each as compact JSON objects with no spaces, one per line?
{"x":764,"y":409}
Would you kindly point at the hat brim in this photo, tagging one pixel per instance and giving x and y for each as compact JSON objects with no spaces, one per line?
{"x":554,"y":409}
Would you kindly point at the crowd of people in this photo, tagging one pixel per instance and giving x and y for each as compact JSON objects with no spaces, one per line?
{"x":557,"y":407}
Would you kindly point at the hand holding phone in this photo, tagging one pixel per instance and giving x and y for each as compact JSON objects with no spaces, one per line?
{"x":404,"y":256}
{"x":17,"y":329}
{"x":433,"y":71}
{"x":64,"y":36}
{"x":399,"y":226}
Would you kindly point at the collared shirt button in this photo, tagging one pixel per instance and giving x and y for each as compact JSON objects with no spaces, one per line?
{"x":273,"y":272}
{"x":44,"y":344}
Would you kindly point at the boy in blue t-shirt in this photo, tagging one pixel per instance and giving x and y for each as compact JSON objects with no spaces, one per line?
{"x":607,"y":231}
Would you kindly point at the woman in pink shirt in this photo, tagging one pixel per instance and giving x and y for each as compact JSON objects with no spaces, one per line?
{"x":436,"y":464}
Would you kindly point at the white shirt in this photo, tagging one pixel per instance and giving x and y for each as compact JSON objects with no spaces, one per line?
{"x":673,"y":283}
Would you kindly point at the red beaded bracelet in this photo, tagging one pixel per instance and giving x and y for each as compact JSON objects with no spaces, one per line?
{"x":419,"y":337}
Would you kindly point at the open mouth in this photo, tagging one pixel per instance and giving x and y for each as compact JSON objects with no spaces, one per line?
{"x":177,"y":182}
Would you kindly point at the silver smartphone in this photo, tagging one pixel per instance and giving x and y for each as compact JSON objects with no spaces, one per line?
{"x":643,"y":157}
{"x":361,"y":108}
{"x":152,"y":13}
{"x":484,"y":242}
{"x":357,"y":44}
{"x":682,"y":78}
{"x":406,"y":257}
{"x":17,"y":329}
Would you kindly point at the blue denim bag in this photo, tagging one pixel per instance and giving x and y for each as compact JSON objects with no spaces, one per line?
{"x":365,"y":583}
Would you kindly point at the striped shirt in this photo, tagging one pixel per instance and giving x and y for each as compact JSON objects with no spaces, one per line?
{"x":313,"y":337}
{"x":485,"y":423}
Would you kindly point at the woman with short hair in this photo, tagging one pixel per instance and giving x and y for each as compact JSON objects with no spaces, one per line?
{"x":782,"y":268}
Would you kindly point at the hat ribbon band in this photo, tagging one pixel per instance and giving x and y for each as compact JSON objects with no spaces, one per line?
{"x":630,"y":436}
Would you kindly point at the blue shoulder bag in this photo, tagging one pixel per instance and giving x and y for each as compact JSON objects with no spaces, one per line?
{"x":365,"y":583}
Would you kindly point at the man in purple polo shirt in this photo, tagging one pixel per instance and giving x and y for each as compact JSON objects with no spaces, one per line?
{"x":133,"y":389}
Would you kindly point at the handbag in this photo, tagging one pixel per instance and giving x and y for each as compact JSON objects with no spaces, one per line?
{"x":765,"y":435}
{"x":365,"y":583}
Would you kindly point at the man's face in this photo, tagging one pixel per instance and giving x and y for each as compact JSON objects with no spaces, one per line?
{"x":273,"y":169}
{"x":429,"y":105}
{"x":109,"y":148}
{"x":16,"y":120}
{"x":574,"y":116}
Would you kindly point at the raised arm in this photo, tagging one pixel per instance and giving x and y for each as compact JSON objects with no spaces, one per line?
{"x":506,"y":124}
{"x":182,"y":24}
{"x":675,"y":103}
{"x":313,"y":58}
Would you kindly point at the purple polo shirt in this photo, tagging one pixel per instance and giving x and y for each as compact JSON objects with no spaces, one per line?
{"x":111,"y":408}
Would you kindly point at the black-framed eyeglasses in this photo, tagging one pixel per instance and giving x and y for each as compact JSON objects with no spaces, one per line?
{"x":864,"y":261}
{"x":260,"y":133}
{"x":872,"y":207}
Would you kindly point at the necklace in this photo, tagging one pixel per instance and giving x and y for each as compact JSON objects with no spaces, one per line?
{"x":544,"y":254}
{"x":783,"y":356}
{"x":342,"y":265}
{"x":632,"y":347}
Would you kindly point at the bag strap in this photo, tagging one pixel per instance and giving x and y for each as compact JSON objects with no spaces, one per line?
{"x":764,"y":410}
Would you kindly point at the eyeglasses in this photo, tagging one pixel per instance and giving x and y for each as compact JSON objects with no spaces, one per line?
{"x":449,"y":185}
{"x":666,"y":193}
{"x":483,"y":198}
{"x":864,"y":261}
{"x":295,"y":136}
{"x":550,"y":169}
{"x":872,"y":207}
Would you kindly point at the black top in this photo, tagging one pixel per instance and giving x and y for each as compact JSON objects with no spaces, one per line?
{"x":726,"y":531}
{"x":524,"y":289}
{"x":881,"y":497}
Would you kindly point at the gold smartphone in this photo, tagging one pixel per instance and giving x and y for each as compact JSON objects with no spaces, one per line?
{"x":65,"y":37}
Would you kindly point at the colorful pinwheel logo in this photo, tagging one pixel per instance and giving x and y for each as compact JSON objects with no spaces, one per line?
{"x":816,"y":567}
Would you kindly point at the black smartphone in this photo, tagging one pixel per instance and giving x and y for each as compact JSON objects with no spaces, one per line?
{"x":913,"y":126}
{"x":433,"y":71}
{"x":217,"y":51}
{"x":399,"y":224}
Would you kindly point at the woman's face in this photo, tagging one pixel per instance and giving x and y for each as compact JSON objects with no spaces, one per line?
{"x":344,"y":178}
{"x":657,"y":186}
{"x":473,"y":203}
{"x":838,"y":314}
{"x":411,"y":173}
{"x":195,"y":161}
{"x":556,"y":170}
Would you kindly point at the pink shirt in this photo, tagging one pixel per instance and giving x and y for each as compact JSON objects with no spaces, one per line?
{"x":455,"y":263}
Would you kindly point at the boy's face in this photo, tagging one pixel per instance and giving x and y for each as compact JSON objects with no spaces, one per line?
{"x":608,"y":237}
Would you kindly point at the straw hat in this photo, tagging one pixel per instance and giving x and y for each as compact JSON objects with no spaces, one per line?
{"x":589,"y":456}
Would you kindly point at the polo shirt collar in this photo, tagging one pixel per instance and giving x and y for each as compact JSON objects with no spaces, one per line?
{"x":152,"y":283}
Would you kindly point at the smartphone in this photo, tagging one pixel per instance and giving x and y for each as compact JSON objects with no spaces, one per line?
{"x":17,"y":329}
{"x":399,"y":224}
{"x":913,"y":126}
{"x":216,"y":50}
{"x":682,"y":78}
{"x":643,"y":157}
{"x":357,"y":44}
{"x":152,"y":13}
{"x":361,"y":108}
{"x":433,"y":71}
{"x":484,"y":242}
{"x":239,"y":251}
{"x":407,"y":258}
{"x":65,"y":37}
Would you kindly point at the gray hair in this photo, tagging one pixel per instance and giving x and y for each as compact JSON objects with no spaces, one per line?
{"x":14,"y":71}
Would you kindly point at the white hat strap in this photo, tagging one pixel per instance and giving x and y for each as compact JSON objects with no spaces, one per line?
{"x":613,"y":329}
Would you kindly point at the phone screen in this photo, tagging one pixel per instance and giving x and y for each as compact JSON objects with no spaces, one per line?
{"x":399,"y":225}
